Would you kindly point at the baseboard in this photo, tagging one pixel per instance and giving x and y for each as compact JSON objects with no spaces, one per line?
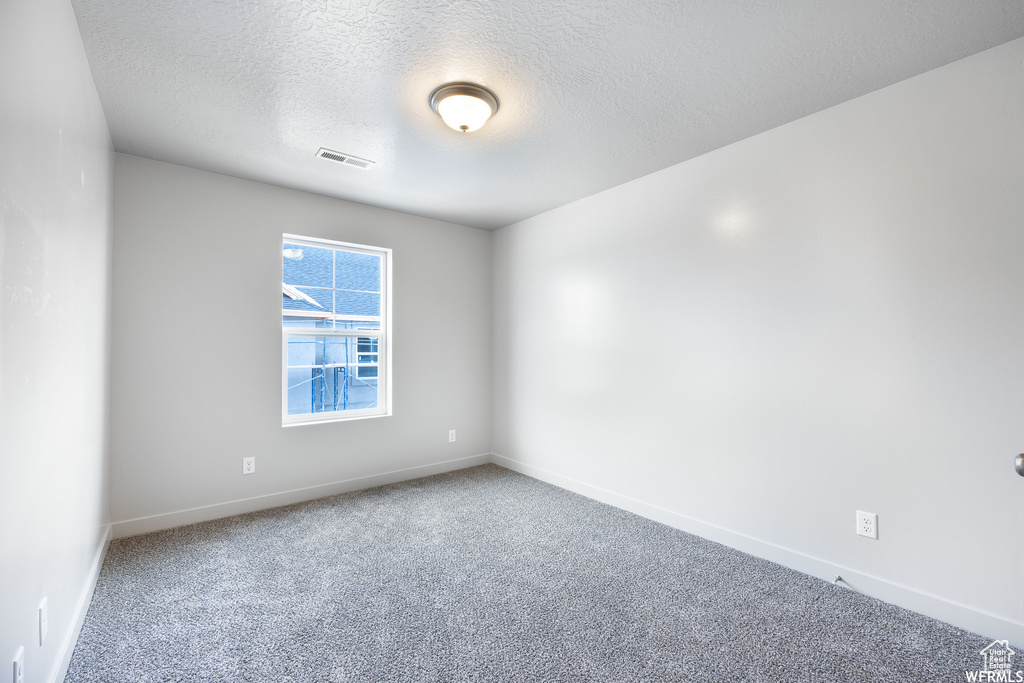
{"x":81,"y":609}
{"x":963,"y":616}
{"x":205,"y":513}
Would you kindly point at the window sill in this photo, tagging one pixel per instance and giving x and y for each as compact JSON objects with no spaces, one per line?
{"x":333,"y":417}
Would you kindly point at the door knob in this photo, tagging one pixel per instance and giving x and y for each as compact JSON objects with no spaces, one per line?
{"x":1018,"y":464}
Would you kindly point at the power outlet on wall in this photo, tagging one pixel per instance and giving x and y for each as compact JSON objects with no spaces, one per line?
{"x":44,"y":621}
{"x":867,"y":524}
{"x":451,"y":436}
{"x":19,"y":666}
{"x":248,"y":465}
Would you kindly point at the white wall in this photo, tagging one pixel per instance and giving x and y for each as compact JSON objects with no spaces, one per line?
{"x":56,"y":166}
{"x":823,"y":318}
{"x":197,"y":348}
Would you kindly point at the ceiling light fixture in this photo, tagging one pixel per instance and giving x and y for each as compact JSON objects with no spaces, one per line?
{"x":464,"y":107}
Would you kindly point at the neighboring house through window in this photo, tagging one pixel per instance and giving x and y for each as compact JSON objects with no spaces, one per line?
{"x":336,"y":330}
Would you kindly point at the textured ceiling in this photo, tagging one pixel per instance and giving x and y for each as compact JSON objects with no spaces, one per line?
{"x":592,"y":94}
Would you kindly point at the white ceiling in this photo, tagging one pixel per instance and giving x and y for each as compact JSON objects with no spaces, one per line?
{"x":592,"y":94}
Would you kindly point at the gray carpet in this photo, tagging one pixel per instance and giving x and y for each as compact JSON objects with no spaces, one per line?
{"x":483,"y":575}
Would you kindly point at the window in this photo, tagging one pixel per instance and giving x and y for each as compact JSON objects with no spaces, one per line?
{"x":336,"y":318}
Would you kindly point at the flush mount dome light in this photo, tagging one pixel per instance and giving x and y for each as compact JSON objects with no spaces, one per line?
{"x":464,"y":107}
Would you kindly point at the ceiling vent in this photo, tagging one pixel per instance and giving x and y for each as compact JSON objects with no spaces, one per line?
{"x":346,"y":159}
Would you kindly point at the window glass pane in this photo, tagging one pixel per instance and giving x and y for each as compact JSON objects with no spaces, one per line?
{"x":324,"y":376}
{"x":330,"y":284}
{"x":356,"y":303}
{"x":357,"y":272}
{"x":302,"y":351}
{"x":313,"y":299}
{"x":307,"y":266}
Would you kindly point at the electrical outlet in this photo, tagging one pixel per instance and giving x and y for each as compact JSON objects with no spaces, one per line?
{"x":451,"y":436}
{"x":248,"y":465}
{"x":19,"y":665}
{"x":44,"y":621}
{"x":867,"y":524}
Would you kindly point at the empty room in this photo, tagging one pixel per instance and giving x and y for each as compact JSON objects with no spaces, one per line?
{"x":511,"y":341}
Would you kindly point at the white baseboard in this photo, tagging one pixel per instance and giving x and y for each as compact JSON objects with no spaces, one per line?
{"x":963,"y":616}
{"x":205,"y":513}
{"x":81,"y":609}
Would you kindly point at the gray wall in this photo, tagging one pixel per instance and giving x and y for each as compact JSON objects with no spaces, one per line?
{"x":822,"y":318}
{"x":197,"y":348}
{"x":56,"y":166}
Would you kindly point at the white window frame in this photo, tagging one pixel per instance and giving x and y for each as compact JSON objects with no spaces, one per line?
{"x":383,"y":337}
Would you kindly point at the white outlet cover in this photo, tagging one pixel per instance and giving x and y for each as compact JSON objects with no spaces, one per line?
{"x":248,"y":465}
{"x":451,"y":435}
{"x":19,"y":665}
{"x":44,"y":621}
{"x":867,"y":524}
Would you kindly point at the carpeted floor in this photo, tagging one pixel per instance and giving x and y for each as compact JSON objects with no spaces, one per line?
{"x":483,"y":575}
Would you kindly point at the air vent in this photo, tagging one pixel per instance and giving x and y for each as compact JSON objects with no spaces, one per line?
{"x":343,"y":158}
